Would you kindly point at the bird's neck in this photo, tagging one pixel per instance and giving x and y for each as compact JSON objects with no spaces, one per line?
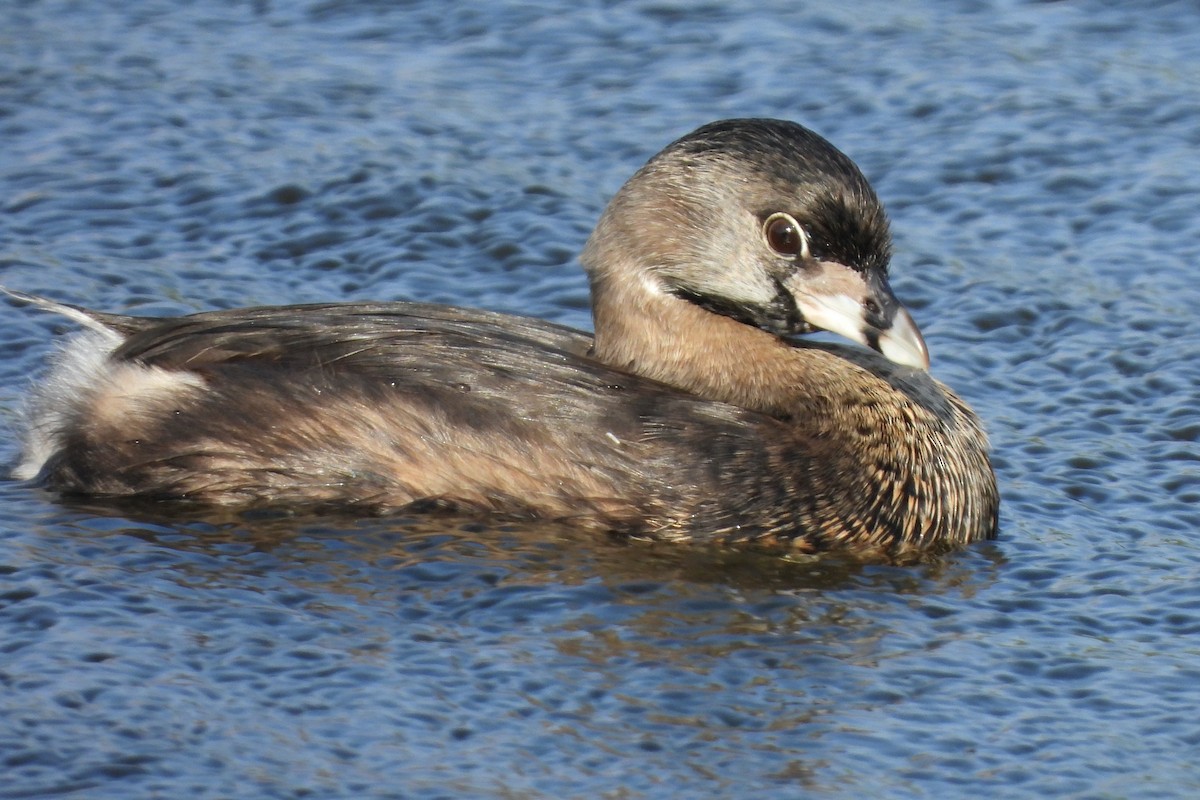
{"x":646,"y":331}
{"x":916,"y":459}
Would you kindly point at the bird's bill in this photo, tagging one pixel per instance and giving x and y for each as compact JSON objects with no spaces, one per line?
{"x":841,"y":300}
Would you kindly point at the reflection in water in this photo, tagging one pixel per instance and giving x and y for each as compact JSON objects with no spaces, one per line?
{"x":505,"y":639}
{"x":537,"y":551}
{"x":462,"y":570}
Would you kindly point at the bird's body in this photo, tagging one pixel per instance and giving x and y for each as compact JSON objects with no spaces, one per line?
{"x":687,"y":416}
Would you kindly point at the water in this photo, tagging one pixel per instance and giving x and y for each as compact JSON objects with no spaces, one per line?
{"x":1039,"y":161}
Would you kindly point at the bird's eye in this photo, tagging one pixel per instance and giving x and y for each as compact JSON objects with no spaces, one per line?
{"x":785,"y":236}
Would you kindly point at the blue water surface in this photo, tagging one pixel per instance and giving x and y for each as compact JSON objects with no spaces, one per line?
{"x":1040,"y":162}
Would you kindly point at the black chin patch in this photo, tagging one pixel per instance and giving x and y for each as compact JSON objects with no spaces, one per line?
{"x":872,"y":337}
{"x":780,"y":316}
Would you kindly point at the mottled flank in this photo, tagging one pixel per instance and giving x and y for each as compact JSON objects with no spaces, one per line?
{"x":686,"y":418}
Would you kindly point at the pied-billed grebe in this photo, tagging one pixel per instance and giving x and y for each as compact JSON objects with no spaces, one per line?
{"x":688,"y":416}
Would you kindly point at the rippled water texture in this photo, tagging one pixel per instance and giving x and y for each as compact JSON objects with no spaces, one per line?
{"x":1040,"y":163}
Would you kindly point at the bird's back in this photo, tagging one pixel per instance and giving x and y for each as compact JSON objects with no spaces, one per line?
{"x":382,"y":406}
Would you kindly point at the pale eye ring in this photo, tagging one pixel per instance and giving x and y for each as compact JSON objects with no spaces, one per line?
{"x":785,"y":236}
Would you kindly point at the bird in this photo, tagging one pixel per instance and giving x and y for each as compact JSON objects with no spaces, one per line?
{"x":697,"y":411}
